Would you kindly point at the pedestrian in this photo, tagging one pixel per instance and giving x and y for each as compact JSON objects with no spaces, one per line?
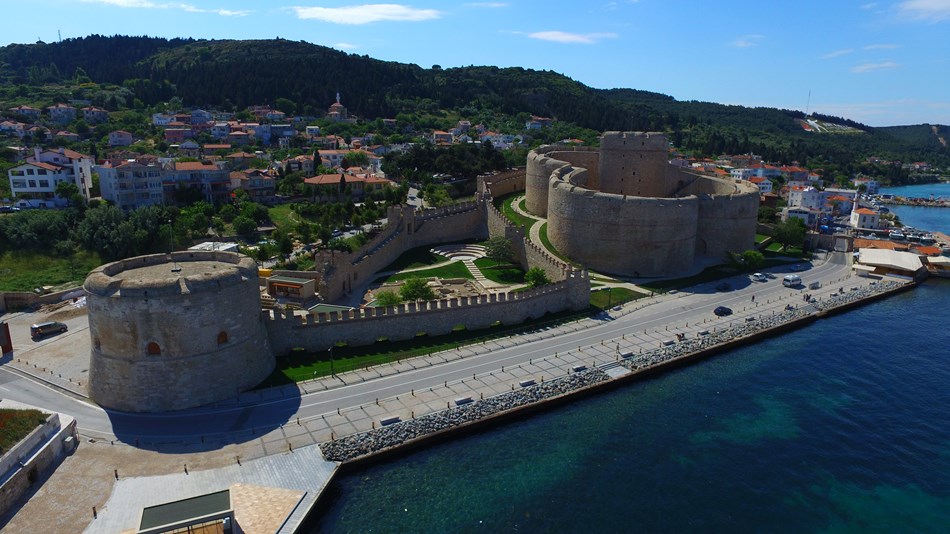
{"x":753,"y":298}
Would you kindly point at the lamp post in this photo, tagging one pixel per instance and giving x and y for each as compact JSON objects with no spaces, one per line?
{"x":330,"y":350}
{"x":609,"y":294}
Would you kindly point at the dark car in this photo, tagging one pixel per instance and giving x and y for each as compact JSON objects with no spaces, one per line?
{"x":722,"y":311}
{"x":42,"y":329}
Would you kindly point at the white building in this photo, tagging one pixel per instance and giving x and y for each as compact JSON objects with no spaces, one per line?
{"x":33,"y":184}
{"x":742,"y":174}
{"x":131,"y":185}
{"x":806,"y":197}
{"x":872,"y":187}
{"x":865,"y":218}
{"x":765,"y":185}
{"x":120,"y":138}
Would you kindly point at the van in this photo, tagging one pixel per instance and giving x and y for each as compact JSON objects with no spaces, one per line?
{"x":41,"y":329}
{"x":792,"y":280}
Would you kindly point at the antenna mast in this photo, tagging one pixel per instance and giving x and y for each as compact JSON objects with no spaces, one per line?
{"x":808,"y":104}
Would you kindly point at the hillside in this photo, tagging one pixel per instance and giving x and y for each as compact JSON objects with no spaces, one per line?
{"x":232,"y":75}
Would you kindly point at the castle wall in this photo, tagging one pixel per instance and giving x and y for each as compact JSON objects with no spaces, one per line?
{"x":727,"y":222}
{"x":617,"y":234}
{"x":543,"y":162}
{"x":406,"y":321}
{"x":340,"y":273}
{"x":179,"y":341}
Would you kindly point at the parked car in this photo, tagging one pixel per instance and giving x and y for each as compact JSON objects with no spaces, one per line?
{"x":43,"y":329}
{"x":722,"y":311}
{"x":759,"y":277}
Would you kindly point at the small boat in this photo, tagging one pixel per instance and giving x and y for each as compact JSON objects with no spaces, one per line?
{"x":927,"y":239}
{"x":896,"y":234}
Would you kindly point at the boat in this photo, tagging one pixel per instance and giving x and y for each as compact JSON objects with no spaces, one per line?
{"x":896,"y":234}
{"x":927,"y":239}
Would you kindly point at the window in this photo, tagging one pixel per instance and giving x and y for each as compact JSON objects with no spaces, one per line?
{"x":222,"y":337}
{"x":153,"y":349}
{"x":32,"y":183}
{"x":18,"y":183}
{"x":44,"y":183}
{"x":41,"y":172}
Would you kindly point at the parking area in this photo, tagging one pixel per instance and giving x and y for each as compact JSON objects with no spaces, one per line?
{"x":62,"y":357}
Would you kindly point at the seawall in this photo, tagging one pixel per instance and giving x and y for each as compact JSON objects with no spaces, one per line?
{"x":457,"y":421}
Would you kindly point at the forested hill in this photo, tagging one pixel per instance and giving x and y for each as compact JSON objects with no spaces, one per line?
{"x":236,"y":74}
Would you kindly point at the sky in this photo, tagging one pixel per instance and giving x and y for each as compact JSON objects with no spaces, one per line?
{"x":879,"y":63}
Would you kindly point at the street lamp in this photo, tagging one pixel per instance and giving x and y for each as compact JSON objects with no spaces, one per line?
{"x":330,"y":350}
{"x":609,"y":294}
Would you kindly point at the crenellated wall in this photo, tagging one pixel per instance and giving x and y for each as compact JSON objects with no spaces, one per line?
{"x":317,"y":332}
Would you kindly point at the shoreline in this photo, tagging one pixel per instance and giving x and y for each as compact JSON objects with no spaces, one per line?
{"x":381,"y":444}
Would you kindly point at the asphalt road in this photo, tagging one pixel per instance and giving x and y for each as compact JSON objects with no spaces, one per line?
{"x":685,"y":306}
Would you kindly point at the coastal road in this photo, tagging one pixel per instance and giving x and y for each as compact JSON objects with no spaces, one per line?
{"x":674,"y":310}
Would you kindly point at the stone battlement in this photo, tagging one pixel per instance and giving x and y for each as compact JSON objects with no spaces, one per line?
{"x":634,"y":141}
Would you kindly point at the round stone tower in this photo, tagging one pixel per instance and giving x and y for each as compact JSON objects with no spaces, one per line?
{"x":175,"y":331}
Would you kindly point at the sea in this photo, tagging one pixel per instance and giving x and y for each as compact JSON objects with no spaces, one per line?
{"x":840,"y":426}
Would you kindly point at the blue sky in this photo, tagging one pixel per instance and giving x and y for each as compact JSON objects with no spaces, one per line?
{"x":881,"y":63}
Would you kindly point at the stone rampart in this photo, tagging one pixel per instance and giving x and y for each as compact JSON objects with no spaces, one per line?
{"x":317,"y":332}
{"x":30,"y":460}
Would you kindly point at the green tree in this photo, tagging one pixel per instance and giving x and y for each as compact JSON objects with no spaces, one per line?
{"x":536,"y":277}
{"x":244,"y":225}
{"x":70,"y":192}
{"x":416,"y":289}
{"x":746,"y":261}
{"x":766,"y":214}
{"x":387,"y":298}
{"x":790,"y":233}
{"x":498,"y":249}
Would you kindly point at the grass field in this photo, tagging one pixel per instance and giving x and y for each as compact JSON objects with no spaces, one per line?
{"x":456,"y":269}
{"x":500,"y":272}
{"x":417,"y":257}
{"x":604,"y":298}
{"x":27,"y":270}
{"x":16,"y":424}
{"x":504,"y":205}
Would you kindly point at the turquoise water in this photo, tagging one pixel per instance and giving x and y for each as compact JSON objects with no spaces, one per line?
{"x":920,"y":191}
{"x":932,"y":219}
{"x":842,"y":426}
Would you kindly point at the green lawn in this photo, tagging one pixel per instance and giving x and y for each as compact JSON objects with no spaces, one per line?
{"x":604,"y":299}
{"x":792,"y":251}
{"x":456,"y":269}
{"x":417,"y":257}
{"x":500,"y":272}
{"x":27,"y":270}
{"x":283,"y":217}
{"x":16,"y":424}
{"x":504,"y":205}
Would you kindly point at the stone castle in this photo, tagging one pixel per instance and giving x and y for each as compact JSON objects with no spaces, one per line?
{"x":186,"y":329}
{"x":623,"y":209}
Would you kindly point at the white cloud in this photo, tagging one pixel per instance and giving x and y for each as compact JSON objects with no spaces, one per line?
{"x":838,"y":53}
{"x":929,"y":10}
{"x":872,"y":67}
{"x":745,"y":41}
{"x":871,"y":5}
{"x":366,"y":13}
{"x":881,"y":46}
{"x":571,"y":38}
{"x":345,"y":46}
{"x":487,"y":4}
{"x":147,"y":4}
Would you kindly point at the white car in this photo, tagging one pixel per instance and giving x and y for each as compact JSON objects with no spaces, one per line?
{"x":759,"y":277}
